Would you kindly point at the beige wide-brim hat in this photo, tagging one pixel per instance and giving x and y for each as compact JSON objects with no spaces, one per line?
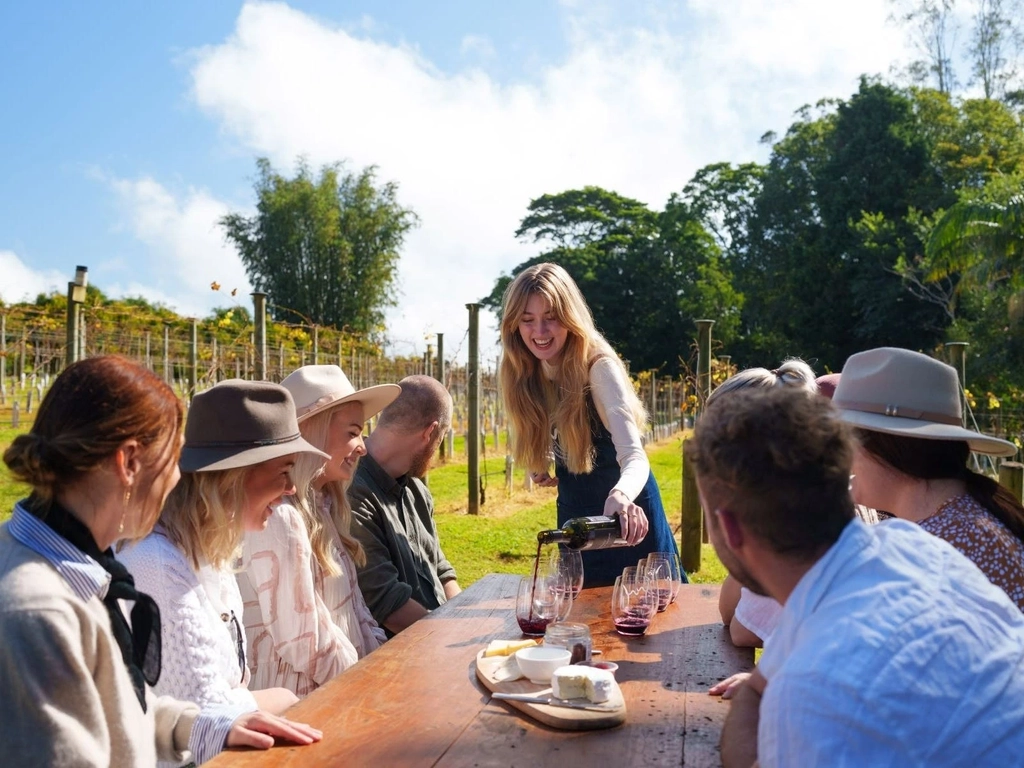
{"x":239,"y":423}
{"x":316,"y":388}
{"x":900,"y":392}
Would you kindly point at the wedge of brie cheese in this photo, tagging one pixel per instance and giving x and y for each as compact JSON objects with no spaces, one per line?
{"x":507,"y":670}
{"x":575,"y":682}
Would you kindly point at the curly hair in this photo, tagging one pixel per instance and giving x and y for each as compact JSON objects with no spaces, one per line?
{"x":779,"y":461}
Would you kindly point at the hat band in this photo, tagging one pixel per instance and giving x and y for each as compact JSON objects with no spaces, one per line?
{"x":901,"y":412}
{"x":253,"y":443}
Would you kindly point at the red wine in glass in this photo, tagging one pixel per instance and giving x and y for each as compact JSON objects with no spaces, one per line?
{"x":533,"y":626}
{"x":664,"y":598}
{"x":632,"y":626}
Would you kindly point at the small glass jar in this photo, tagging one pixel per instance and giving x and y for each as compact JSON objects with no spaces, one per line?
{"x":573,"y":637}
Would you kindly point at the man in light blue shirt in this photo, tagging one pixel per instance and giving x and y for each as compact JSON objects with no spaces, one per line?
{"x":893,"y":649}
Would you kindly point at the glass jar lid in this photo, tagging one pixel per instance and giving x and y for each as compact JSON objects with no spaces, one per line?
{"x":562,"y":632}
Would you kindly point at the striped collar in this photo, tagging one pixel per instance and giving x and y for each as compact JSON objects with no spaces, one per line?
{"x":86,"y":577}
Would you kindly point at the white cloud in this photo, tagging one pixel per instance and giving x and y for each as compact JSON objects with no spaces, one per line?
{"x":186,"y":247}
{"x":477,"y":46}
{"x":633,"y":108}
{"x":23,"y":283}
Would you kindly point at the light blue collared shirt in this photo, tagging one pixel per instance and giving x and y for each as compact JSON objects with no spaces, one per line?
{"x":894,"y":650}
{"x":88,"y":579}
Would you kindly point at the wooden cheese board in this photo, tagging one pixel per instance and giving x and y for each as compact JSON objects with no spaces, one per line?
{"x":608,"y":715}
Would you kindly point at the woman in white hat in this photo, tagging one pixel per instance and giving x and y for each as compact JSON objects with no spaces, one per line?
{"x":305,"y":617}
{"x":912,"y":459}
{"x":241,"y":442}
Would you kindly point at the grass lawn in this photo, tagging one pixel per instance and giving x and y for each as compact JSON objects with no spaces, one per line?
{"x":503,"y":537}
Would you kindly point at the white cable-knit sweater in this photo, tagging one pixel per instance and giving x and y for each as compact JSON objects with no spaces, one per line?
{"x":200,"y":649}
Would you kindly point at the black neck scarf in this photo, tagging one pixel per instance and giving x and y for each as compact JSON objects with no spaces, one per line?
{"x":140,"y":642}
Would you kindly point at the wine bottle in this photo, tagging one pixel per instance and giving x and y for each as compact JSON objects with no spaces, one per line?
{"x":597,"y":532}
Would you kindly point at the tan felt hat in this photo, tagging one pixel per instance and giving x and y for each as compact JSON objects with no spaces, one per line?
{"x":900,"y":392}
{"x":239,"y":423}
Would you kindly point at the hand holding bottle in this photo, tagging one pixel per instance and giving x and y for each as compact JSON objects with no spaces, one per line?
{"x":632,"y":520}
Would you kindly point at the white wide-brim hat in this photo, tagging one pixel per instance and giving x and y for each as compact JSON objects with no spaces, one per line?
{"x":317,"y":388}
{"x":900,"y":392}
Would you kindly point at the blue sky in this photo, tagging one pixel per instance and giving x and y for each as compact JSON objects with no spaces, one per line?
{"x":127,"y":134}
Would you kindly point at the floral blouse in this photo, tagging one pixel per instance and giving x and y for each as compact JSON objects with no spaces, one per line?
{"x":979,"y":535}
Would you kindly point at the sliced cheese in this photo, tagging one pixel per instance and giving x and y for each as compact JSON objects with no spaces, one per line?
{"x":507,"y":647}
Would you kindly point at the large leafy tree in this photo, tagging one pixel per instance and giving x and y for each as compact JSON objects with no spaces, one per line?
{"x":325,"y":248}
{"x":646,"y":275}
{"x":818,"y":283}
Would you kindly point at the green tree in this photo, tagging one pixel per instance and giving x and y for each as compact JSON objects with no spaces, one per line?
{"x":324,"y":248}
{"x":820,"y":283}
{"x":982,"y":238}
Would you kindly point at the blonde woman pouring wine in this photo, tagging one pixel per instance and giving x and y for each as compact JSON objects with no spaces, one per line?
{"x":567,"y":393}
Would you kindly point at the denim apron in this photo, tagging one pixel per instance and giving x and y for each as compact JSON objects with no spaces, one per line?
{"x":585,"y":495}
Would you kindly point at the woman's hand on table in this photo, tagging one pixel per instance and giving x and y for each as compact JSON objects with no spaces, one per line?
{"x":259,"y":729}
{"x":543,"y":479}
{"x":727,"y":688}
{"x":632,"y":520}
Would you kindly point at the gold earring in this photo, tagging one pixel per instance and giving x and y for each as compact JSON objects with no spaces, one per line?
{"x":127,"y":498}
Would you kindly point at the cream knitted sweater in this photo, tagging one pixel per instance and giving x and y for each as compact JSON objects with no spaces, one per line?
{"x":200,"y":649}
{"x":67,"y":698}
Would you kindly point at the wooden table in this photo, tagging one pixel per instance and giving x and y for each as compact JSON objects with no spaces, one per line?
{"x":416,"y":701}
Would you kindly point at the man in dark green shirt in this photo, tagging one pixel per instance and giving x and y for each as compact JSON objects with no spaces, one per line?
{"x":406,"y":573}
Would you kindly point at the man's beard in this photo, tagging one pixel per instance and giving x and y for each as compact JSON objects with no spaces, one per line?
{"x":733,"y":565}
{"x":423,"y":460}
{"x":739,"y":572}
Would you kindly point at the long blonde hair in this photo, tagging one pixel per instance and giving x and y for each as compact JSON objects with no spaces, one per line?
{"x":534,"y":403}
{"x":204,"y":516}
{"x":308,"y":467}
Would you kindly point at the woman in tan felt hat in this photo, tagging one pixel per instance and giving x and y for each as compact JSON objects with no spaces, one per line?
{"x":241,"y":442}
{"x":77,"y":675}
{"x":304,"y":613}
{"x":912,"y":456}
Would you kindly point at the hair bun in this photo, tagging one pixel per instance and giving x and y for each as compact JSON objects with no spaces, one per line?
{"x":30,"y":459}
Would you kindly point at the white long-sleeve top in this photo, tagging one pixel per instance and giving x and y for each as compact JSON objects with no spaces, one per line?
{"x":303,"y":626}
{"x":609,"y":388}
{"x":200,"y":646}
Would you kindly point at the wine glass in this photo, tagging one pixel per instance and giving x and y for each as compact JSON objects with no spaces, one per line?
{"x":633,"y":605}
{"x":676,"y":570}
{"x":660,"y":573}
{"x":641,"y":566}
{"x":570,"y":565}
{"x":540,"y":601}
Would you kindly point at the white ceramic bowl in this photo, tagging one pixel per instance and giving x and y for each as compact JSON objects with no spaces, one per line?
{"x":539,"y":662}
